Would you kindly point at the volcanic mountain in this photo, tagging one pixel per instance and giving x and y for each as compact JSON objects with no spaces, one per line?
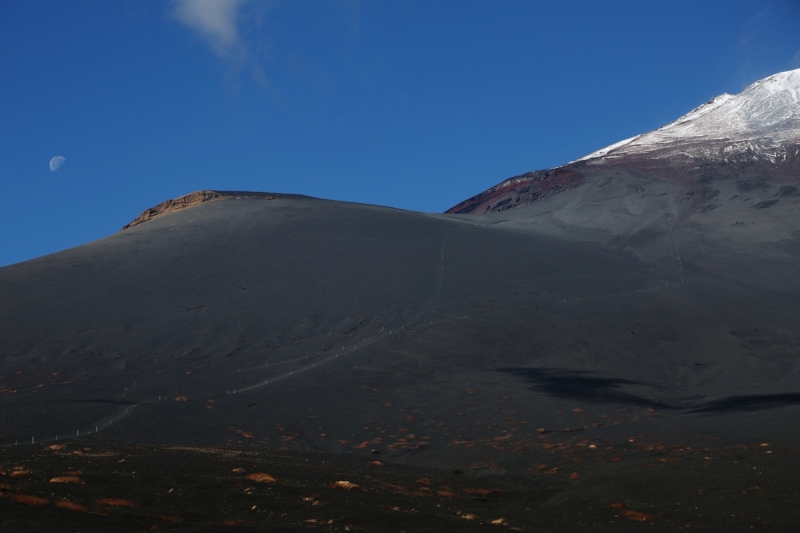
{"x":749,"y":136}
{"x":621,"y":344}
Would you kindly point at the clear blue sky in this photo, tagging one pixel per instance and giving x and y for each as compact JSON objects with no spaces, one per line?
{"x":411,"y":104}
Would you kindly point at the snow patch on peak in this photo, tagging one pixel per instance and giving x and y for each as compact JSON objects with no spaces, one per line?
{"x":608,"y":149}
{"x":761,"y":119}
{"x":782,"y":82}
{"x":699,"y":111}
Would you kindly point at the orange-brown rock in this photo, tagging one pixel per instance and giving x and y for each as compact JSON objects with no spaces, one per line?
{"x":182,"y":202}
{"x":261,"y":477}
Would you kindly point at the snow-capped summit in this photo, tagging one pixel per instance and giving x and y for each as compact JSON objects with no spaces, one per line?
{"x":754,"y":135}
{"x":758,"y":124}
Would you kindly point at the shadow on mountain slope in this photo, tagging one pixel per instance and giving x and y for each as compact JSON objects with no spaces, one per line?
{"x":754,"y":402}
{"x":582,"y":385}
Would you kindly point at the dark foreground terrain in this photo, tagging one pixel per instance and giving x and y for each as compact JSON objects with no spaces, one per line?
{"x":623,"y":355}
{"x":101,"y":485}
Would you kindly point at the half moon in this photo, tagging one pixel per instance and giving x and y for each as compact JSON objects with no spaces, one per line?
{"x":56,"y":163}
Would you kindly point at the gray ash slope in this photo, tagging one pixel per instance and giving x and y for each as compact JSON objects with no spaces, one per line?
{"x":611,"y":310}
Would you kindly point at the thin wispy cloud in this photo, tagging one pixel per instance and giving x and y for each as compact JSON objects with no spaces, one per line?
{"x":215,"y":21}
{"x":234,"y":31}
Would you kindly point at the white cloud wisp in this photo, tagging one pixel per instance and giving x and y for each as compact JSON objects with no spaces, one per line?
{"x":214,"y":20}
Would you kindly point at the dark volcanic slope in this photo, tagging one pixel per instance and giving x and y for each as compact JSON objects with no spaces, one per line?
{"x":229,"y":294}
{"x":341,"y":327}
{"x":565,"y":356}
{"x":694,"y":177}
